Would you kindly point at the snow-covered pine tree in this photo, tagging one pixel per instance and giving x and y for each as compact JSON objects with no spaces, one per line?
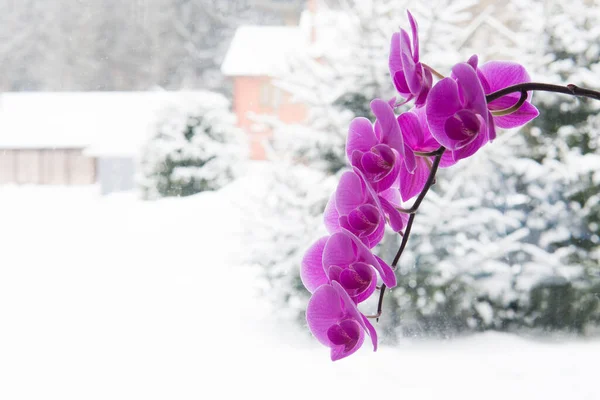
{"x":512,"y":242}
{"x":196,"y":146}
{"x":567,"y":140}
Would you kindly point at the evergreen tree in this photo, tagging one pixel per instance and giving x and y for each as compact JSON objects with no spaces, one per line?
{"x":196,"y":147}
{"x":532,"y":192}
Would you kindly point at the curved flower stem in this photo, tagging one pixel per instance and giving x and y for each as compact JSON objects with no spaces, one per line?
{"x":544,"y":87}
{"x":510,"y":110}
{"x":412,"y":211}
{"x":427,"y":153}
{"x":433,"y":71}
{"x":523,"y":88}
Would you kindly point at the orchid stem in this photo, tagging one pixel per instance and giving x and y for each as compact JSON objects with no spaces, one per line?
{"x":433,"y":71}
{"x":523,"y":88}
{"x":430,"y":181}
{"x":510,"y":110}
{"x":544,"y":87}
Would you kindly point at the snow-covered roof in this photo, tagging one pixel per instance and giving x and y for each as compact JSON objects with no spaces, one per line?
{"x":262,"y":50}
{"x":103,"y":123}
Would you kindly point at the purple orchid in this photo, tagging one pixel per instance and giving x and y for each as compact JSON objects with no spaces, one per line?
{"x":343,"y":258}
{"x":355,"y":207}
{"x":496,"y":75}
{"x":418,"y":138}
{"x":378,"y":150}
{"x":336,"y":322}
{"x":411,"y":79}
{"x":457,"y":113}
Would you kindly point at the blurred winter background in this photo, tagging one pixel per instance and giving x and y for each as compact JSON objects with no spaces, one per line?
{"x":164,"y":164}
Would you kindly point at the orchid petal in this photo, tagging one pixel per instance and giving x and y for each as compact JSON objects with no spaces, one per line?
{"x":334,"y":272}
{"x":415,"y":36}
{"x":359,"y":281}
{"x":331,"y":216}
{"x":349,"y":193}
{"x":502,"y":74}
{"x":413,"y":184}
{"x":410,"y":161}
{"x":351,"y":279}
{"x":523,"y":115}
{"x":386,"y":119}
{"x":473,"y":61}
{"x":374,"y":164}
{"x":339,"y":249}
{"x":447,"y":159}
{"x":471,"y":88}
{"x":375,"y":237}
{"x":471,"y":148}
{"x":339,"y":352}
{"x":389,"y":179}
{"x":371,"y":331}
{"x":387,"y":273}
{"x":346,"y":336}
{"x":442,"y":103}
{"x":396,"y":220}
{"x":365,"y":255}
{"x":410,"y":68}
{"x":350,"y":310}
{"x":491,"y":128}
{"x":324,"y":309}
{"x":312,"y":273}
{"x":360,"y":136}
{"x":395,"y":61}
{"x":411,"y":129}
{"x":402,"y":86}
{"x":426,"y":83}
{"x":364,"y":216}
{"x":429,"y":143}
{"x":392,"y":195}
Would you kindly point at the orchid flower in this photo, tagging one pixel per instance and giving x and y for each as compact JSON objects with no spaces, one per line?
{"x":393,"y":160}
{"x":457,"y":113}
{"x":343,"y":258}
{"x":411,"y":78}
{"x":378,"y":150}
{"x":335,"y":321}
{"x":496,"y":75}
{"x":356,"y":207}
{"x":418,"y":138}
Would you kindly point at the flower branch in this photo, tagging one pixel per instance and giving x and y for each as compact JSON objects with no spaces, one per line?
{"x":570,"y":89}
{"x":390,"y":164}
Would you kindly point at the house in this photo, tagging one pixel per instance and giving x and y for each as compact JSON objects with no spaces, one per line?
{"x":77,"y":138}
{"x":256,"y":57}
{"x":260,"y":57}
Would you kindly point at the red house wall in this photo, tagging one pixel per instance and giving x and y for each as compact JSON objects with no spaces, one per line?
{"x":257,"y":95}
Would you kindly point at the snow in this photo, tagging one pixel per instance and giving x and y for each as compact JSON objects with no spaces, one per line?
{"x":105,"y":123}
{"x":262,"y":50}
{"x":112,"y":297}
{"x":194,"y":146}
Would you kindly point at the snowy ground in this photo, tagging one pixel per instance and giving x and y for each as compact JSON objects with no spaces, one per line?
{"x":113,"y":298}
